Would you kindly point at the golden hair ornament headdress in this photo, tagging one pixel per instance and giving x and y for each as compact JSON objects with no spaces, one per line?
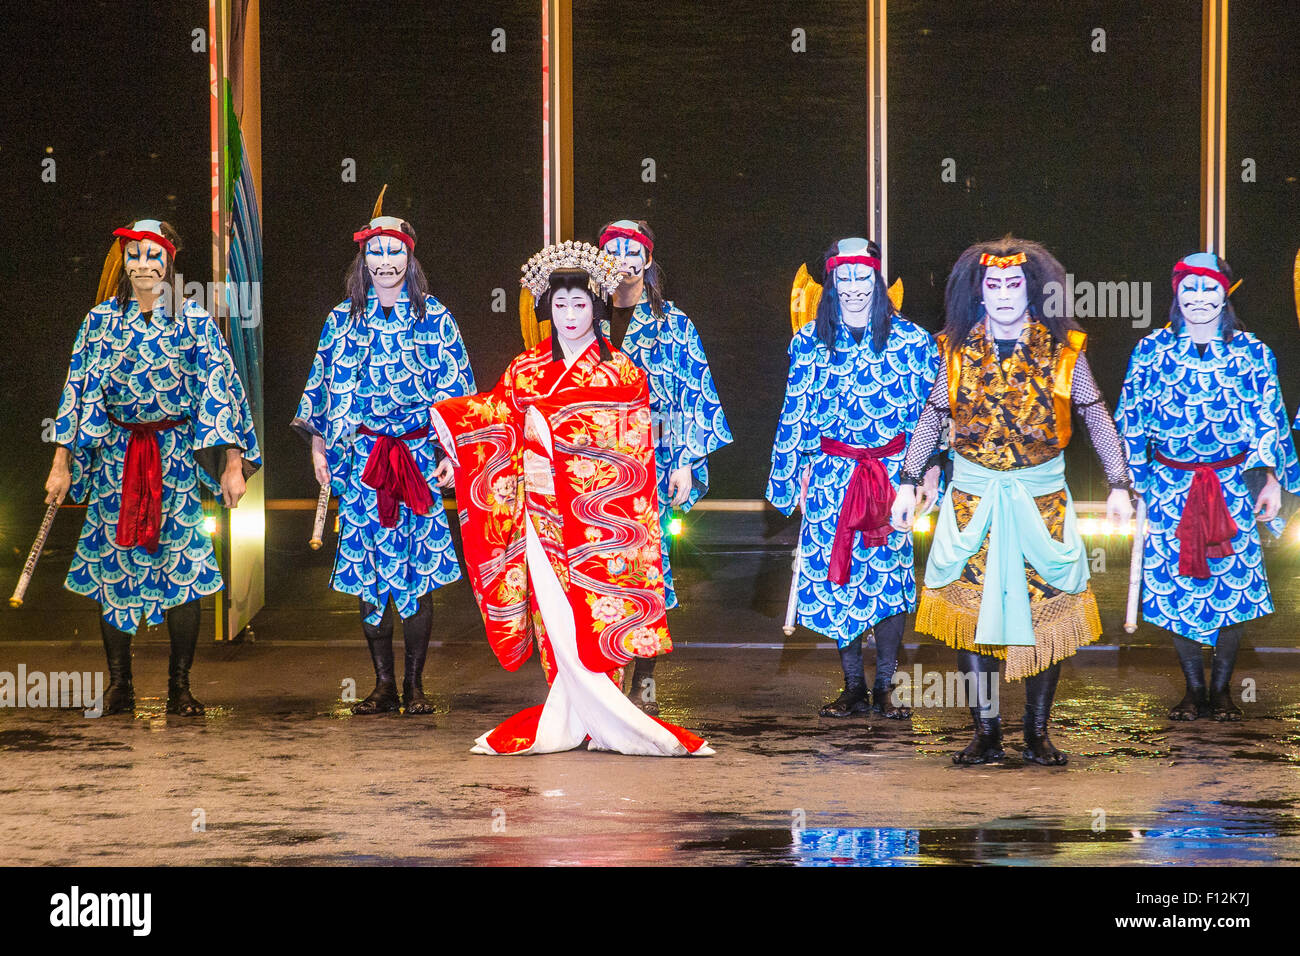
{"x":600,"y":266}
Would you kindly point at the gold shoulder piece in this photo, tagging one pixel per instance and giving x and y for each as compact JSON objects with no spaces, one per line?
{"x":805,"y":295}
{"x":532,"y":329}
{"x":1063,"y":383}
{"x":112,"y":272}
{"x":895,"y":294}
{"x":1296,"y":283}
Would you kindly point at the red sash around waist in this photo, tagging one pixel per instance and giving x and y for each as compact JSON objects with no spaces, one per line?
{"x":139,"y":517}
{"x":1206,"y":528}
{"x":392,"y":472}
{"x":867,"y":501}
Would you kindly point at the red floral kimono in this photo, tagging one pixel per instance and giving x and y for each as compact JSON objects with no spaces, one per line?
{"x":555,"y":487}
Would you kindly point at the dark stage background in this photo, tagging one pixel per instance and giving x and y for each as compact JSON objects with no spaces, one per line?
{"x":760,"y":157}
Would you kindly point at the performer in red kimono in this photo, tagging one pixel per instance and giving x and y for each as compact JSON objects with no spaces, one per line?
{"x":560,"y":522}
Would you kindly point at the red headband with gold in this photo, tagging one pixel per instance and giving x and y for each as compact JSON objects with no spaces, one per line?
{"x":1003,"y":262}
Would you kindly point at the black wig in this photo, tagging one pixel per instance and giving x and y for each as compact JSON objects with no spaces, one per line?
{"x":964,"y":298}
{"x":1229,"y":324}
{"x":828,"y":318}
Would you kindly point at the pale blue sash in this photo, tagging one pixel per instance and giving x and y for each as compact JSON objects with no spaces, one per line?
{"x":1009,"y":518}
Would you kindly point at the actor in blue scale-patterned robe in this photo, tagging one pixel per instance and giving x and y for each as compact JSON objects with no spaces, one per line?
{"x":1216,"y":404}
{"x":137,"y":368}
{"x":866,"y":398}
{"x":378,"y":371}
{"x":152,"y":411}
{"x":863,"y":399}
{"x":384,"y":374}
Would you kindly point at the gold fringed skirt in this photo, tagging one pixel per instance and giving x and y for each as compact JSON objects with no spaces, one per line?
{"x":1062,"y":622}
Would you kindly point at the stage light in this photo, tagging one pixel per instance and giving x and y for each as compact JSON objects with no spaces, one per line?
{"x":210,"y":525}
{"x":674,"y":526}
{"x":923,"y":525}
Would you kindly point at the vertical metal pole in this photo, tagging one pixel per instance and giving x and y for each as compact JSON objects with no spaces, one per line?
{"x":557,"y":120}
{"x":217,"y":20}
{"x":1214,"y":125}
{"x":878,"y":131}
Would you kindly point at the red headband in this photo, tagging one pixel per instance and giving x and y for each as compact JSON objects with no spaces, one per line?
{"x":130,"y":235}
{"x":834,"y":261}
{"x":1182,"y":268}
{"x":365,"y":235}
{"x":616,"y":232}
{"x":1003,"y":262}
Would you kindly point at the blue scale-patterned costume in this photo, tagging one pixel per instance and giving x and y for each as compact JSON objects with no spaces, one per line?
{"x":1199,"y":409}
{"x":683,"y":399}
{"x":863,"y":399}
{"x":144,"y":368}
{"x":383,"y":373}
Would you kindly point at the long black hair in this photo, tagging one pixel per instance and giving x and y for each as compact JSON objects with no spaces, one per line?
{"x":574,"y":279}
{"x":358,"y":281}
{"x":654,"y":273}
{"x":963,"y":299}
{"x":827,"y":322}
{"x":1229,"y":324}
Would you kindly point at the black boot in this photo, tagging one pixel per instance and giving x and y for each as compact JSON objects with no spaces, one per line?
{"x":1222,"y":706}
{"x":1040,"y":691}
{"x":415,"y":635}
{"x":643,"y":685}
{"x":987,"y":743}
{"x":853,"y":699}
{"x":183,"y":632}
{"x":119,"y":696}
{"x":889,"y":639}
{"x":383,"y":699}
{"x":1193,"y":705}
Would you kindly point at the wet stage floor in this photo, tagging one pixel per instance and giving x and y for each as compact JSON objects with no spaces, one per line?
{"x":279,"y":773}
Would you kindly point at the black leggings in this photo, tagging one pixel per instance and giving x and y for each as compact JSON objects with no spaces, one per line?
{"x":416,"y":631}
{"x":889,"y":640}
{"x":985,"y":669}
{"x":182,"y":627}
{"x":1192,"y":661}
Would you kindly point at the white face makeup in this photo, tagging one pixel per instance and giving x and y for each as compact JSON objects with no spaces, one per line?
{"x":632,"y":258}
{"x":572,"y":315}
{"x":1005,"y":294}
{"x":145,"y":264}
{"x":386,"y":260}
{"x":855,"y":284}
{"x":1201,"y":299}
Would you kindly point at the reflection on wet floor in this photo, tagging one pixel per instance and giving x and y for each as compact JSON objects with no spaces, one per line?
{"x":1210,"y":834}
